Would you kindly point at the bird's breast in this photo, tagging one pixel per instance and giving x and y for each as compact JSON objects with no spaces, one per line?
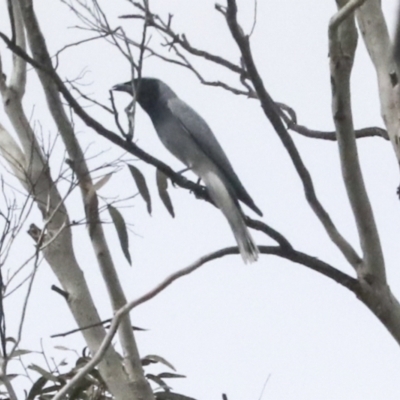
{"x":177,"y":140}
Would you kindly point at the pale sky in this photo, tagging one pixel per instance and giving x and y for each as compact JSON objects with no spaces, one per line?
{"x":228,"y":326}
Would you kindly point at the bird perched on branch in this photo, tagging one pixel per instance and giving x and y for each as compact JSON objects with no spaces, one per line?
{"x":188,"y":137}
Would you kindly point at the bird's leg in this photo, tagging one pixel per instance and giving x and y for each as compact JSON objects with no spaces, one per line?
{"x":188,"y":169}
{"x":182,"y":171}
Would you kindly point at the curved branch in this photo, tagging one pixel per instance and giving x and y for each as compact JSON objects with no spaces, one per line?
{"x":298,"y":257}
{"x":272,"y":233}
{"x":289,"y":116}
{"x":165,"y":27}
{"x":271,"y":111}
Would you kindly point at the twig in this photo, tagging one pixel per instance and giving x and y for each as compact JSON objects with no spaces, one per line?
{"x":61,"y":292}
{"x":116,"y":115}
{"x":83,"y":328}
{"x":264,"y":386}
{"x":84,"y":96}
{"x":254,"y":19}
{"x":79,"y":42}
{"x":165,"y":27}
{"x":291,"y":122}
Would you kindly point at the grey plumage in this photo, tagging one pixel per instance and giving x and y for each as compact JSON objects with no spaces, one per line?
{"x":188,"y":137}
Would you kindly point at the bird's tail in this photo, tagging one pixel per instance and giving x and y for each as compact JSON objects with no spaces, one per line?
{"x":224,"y":201}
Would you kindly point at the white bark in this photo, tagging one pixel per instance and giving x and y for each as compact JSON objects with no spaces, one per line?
{"x":375,"y":33}
{"x":12,"y":153}
{"x":40,"y":54}
{"x":342,"y":46}
{"x":374,"y":291}
{"x":32,"y":169}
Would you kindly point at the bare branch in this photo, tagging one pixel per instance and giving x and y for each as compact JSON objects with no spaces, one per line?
{"x":254,"y":19}
{"x":342,"y":47}
{"x":271,"y":111}
{"x":165,"y":27}
{"x":295,"y":256}
{"x":18,"y":77}
{"x":79,"y":42}
{"x":86,"y":97}
{"x":375,"y":33}
{"x":291,"y":123}
{"x":347,"y":8}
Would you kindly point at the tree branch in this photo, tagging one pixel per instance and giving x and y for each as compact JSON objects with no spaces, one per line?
{"x":342,"y":47}
{"x":376,"y":38}
{"x":272,"y":113}
{"x":165,"y":27}
{"x":289,"y":116}
{"x":141,"y":387}
{"x":132,"y":148}
{"x":292,"y":255}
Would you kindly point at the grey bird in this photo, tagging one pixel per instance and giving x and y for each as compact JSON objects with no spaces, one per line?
{"x":188,"y":137}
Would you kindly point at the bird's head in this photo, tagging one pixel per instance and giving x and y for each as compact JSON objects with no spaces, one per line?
{"x":150,"y":92}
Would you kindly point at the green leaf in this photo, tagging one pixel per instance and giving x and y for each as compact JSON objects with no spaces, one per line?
{"x":141,"y":185}
{"x":120,"y":226}
{"x":10,"y":377}
{"x":162,"y":185}
{"x":152,"y":358}
{"x":18,"y":353}
{"x":101,"y":182}
{"x":171,"y":396}
{"x":164,"y":375}
{"x":158,"y":380}
{"x":36,"y":388}
{"x":43,"y":372}
{"x":62,"y":348}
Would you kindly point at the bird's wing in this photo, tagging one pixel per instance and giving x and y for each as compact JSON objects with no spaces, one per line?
{"x":200,"y":132}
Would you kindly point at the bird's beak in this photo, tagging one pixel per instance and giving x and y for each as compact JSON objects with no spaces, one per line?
{"x":121,"y":87}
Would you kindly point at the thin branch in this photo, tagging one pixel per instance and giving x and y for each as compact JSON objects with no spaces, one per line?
{"x":272,"y":113}
{"x":250,"y":93}
{"x":345,"y":11}
{"x":289,"y":116}
{"x":86,"y":97}
{"x":269,"y":231}
{"x":79,"y":42}
{"x":165,"y":27}
{"x":298,"y":257}
{"x":131,"y":147}
{"x":97,"y":22}
{"x":254,"y":19}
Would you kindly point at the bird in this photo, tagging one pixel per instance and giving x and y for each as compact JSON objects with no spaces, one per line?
{"x":189,"y":138}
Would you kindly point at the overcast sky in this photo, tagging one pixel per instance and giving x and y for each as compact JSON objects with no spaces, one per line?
{"x":228,"y":326}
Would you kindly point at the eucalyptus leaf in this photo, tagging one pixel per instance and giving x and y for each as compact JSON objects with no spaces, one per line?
{"x":122,"y":232}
